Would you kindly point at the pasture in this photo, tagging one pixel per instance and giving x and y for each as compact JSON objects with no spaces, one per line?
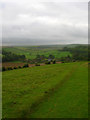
{"x":50,"y":91}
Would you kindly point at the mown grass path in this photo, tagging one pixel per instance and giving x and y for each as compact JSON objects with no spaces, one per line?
{"x":46,"y":91}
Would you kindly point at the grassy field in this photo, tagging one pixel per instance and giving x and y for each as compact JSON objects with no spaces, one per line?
{"x":32,"y":52}
{"x":50,"y":91}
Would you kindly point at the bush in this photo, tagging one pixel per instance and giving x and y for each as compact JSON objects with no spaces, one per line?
{"x":47,"y":62}
{"x":45,"y":92}
{"x":37,"y":64}
{"x":15,"y":68}
{"x":26,"y":65}
{"x":19,"y":67}
{"x":74,"y":60}
{"x":3,"y":69}
{"x":10,"y":68}
{"x":54,"y":61}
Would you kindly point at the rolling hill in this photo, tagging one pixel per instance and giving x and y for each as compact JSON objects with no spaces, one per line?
{"x":50,"y":91}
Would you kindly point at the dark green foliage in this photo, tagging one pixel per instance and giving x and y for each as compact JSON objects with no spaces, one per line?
{"x":62,"y":59}
{"x":65,"y":49}
{"x":73,"y":60}
{"x":40,"y":58}
{"x":54,"y":61}
{"x":47,"y":62}
{"x":26,"y":65}
{"x":9,"y":56}
{"x":51,"y":56}
{"x":37,"y":64}
{"x":79,"y":53}
{"x":10,"y":68}
{"x":3,"y":69}
{"x":15,"y":68}
{"x":19,"y":67}
{"x":46,"y":92}
{"x":68,"y":59}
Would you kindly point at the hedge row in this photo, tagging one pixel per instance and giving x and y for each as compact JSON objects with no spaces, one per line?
{"x":10,"y":68}
{"x":48,"y":62}
{"x":26,"y":65}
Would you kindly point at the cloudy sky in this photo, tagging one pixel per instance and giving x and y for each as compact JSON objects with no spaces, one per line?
{"x":27,"y":22}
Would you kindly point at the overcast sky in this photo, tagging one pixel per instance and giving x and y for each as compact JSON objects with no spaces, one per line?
{"x":33,"y":23}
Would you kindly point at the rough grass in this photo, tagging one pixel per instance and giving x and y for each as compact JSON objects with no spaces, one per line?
{"x":59,"y":90}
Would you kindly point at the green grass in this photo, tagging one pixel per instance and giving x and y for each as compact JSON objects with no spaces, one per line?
{"x":49,"y":91}
{"x":69,"y":101}
{"x":32,"y":52}
{"x":0,"y":95}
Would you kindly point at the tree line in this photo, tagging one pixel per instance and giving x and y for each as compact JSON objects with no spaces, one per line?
{"x":9,"y":56}
{"x":79,"y":53}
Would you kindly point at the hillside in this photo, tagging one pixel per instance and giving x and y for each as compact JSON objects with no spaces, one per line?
{"x":49,"y":91}
{"x":32,"y":51}
{"x":41,"y":54}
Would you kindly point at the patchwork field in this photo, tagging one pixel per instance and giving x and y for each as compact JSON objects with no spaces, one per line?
{"x":32,"y":52}
{"x":50,"y":91}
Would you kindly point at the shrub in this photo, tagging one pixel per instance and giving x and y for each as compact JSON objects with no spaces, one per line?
{"x":15,"y":68}
{"x":74,"y":60}
{"x":26,"y":65}
{"x":54,"y":61}
{"x":45,"y":92}
{"x":3,"y":69}
{"x":19,"y":67}
{"x":10,"y":68}
{"x":37,"y":64}
{"x":47,"y":62}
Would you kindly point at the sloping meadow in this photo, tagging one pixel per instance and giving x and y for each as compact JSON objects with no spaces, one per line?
{"x":46,"y":91}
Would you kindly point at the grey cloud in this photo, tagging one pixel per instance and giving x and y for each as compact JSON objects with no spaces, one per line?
{"x":44,"y":23}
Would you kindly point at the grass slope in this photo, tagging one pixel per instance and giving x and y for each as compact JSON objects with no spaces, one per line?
{"x":59,"y":90}
{"x":70,"y":100}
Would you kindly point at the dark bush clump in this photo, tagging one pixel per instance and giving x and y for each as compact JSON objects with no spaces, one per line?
{"x":3,"y":69}
{"x":47,"y":62}
{"x":15,"y":68}
{"x":74,"y":60}
{"x":19,"y":67}
{"x":37,"y":64}
{"x":46,"y":92}
{"x":26,"y":65}
{"x":10,"y":68}
{"x":54,"y":61}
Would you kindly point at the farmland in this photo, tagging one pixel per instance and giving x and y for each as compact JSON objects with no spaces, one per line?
{"x":19,"y":55}
{"x":50,"y":91}
{"x":32,"y":51}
